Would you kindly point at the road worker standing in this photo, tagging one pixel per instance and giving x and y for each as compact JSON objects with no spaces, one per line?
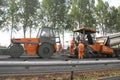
{"x":59,"y":49}
{"x":80,"y":50}
{"x":72,"y":46}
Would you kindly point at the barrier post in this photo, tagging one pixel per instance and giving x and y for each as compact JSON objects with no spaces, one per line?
{"x":72,"y":72}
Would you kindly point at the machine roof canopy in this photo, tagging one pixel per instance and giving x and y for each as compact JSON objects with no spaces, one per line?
{"x":87,"y":30}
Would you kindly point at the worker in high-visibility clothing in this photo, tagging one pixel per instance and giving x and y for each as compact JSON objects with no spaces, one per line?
{"x":80,"y":50}
{"x":72,"y":46}
{"x":59,"y":48}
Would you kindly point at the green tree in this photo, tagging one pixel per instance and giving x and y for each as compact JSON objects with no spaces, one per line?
{"x":89,"y":15}
{"x":1,"y":11}
{"x":54,"y":12}
{"x":10,"y":15}
{"x":75,"y":13}
{"x":111,"y":20}
{"x":102,"y":14}
{"x":82,"y":12}
{"x":28,"y":13}
{"x":118,"y":20}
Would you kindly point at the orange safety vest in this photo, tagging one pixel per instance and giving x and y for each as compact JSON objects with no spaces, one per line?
{"x":81,"y":47}
{"x":59,"y":47}
{"x":80,"y":50}
{"x":72,"y":46}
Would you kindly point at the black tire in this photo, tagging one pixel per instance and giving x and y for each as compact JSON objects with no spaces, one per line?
{"x":109,"y":55}
{"x":16,"y":50}
{"x":45,"y":50}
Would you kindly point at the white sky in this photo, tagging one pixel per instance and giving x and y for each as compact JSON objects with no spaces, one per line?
{"x":5,"y":37}
{"x":115,"y":3}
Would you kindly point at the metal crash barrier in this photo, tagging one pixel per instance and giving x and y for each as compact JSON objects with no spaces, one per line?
{"x":56,"y":66}
{"x":17,"y":67}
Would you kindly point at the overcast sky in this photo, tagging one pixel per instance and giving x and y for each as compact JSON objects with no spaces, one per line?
{"x":115,"y":3}
{"x":5,"y":37}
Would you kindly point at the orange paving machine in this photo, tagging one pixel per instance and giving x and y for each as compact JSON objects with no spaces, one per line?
{"x":93,"y":47}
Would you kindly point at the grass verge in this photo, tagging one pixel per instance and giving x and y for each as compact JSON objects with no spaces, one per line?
{"x":78,"y":75}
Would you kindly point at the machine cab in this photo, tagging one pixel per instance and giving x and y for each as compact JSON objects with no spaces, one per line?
{"x":49,"y":35}
{"x":85,"y":33}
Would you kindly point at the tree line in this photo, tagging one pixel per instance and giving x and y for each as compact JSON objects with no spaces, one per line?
{"x":63,"y":14}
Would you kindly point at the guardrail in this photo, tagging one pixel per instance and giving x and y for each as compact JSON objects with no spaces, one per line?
{"x":56,"y":66}
{"x":57,"y":63}
{"x":10,"y":67}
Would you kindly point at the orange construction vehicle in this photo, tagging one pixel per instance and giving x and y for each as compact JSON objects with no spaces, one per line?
{"x":92,"y":46}
{"x":44,"y":45}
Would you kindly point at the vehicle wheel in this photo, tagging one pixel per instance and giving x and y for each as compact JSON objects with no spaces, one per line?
{"x":109,"y":56}
{"x":45,"y":50}
{"x":16,"y":50}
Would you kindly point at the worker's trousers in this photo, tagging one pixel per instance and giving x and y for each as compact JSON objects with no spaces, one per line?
{"x":80,"y":54}
{"x":72,"y":50}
